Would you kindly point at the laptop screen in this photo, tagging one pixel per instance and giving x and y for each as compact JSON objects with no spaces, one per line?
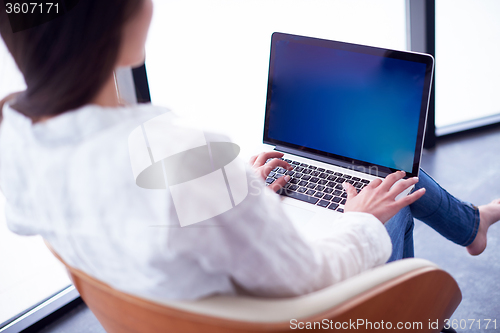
{"x":352,"y":102}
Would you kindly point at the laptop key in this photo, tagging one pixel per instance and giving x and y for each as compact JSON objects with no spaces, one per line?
{"x":307,"y":171}
{"x":304,"y":165}
{"x":365,"y":181}
{"x":293,"y":187}
{"x":315,"y":173}
{"x":343,"y":202}
{"x":337,"y":193}
{"x":356,"y":179}
{"x":328,"y":190}
{"x":319,"y":194}
{"x":311,"y":185}
{"x":298,"y":169}
{"x":312,"y":167}
{"x":322,"y":182}
{"x":306,"y":177}
{"x":339,"y":187}
{"x":329,"y":171}
{"x":327,"y":197}
{"x":302,"y":190}
{"x":340,"y":180}
{"x":288,"y":161}
{"x":300,"y":196}
{"x":270,"y":180}
{"x":295,"y":163}
{"x":358,"y":185}
{"x":323,"y":203}
{"x":271,"y":174}
{"x":320,"y":188}
{"x":333,"y":206}
{"x":331,"y":184}
{"x":294,"y":180}
{"x":344,"y":195}
{"x":310,"y":192}
{"x":331,"y":177}
{"x":338,"y":174}
{"x":302,"y":183}
{"x":290,"y":173}
{"x":347,"y":177}
{"x":314,"y":179}
{"x":323,"y":175}
{"x":340,"y":210}
{"x":321,"y":170}
{"x":337,"y":199}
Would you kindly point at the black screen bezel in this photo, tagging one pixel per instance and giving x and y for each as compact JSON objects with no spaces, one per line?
{"x":426,"y":59}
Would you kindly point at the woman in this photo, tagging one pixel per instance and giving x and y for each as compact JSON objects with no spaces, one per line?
{"x":65,"y":171}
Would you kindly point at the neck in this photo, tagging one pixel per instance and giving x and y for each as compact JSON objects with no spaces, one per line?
{"x":108,"y":96}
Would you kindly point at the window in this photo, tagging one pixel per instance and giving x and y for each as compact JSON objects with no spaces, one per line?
{"x":29,"y":274}
{"x":208,"y":60}
{"x":467,"y":66}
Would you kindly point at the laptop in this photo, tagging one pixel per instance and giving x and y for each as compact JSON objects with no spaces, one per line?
{"x":342,"y":112}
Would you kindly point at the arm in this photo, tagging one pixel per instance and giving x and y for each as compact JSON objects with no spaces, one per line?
{"x":259,"y":249}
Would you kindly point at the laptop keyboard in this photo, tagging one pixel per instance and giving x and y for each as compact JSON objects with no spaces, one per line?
{"x":317,"y":186}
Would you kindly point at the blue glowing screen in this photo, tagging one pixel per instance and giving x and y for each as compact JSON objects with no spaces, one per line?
{"x":355,"y":105}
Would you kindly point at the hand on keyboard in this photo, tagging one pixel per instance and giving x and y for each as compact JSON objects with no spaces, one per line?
{"x":378,"y":198}
{"x":264,"y":170}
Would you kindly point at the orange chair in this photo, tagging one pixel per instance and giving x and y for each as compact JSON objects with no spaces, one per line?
{"x":409,"y":292}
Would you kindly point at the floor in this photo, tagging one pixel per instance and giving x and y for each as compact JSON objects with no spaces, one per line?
{"x":468,"y":167}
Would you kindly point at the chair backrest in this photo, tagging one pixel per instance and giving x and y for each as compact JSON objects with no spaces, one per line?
{"x":417,"y":296}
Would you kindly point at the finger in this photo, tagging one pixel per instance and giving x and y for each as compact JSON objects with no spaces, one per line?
{"x":409,"y":199}
{"x":275,"y":163}
{"x":351,"y":190}
{"x":263,"y":157}
{"x":374,"y":183}
{"x":252,"y":159}
{"x":391,"y":179}
{"x":279,"y":183}
{"x":402,"y":185}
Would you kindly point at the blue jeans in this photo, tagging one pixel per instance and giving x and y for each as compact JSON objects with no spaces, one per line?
{"x":456,"y":220}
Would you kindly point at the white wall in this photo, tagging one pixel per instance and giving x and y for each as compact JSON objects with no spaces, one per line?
{"x":209,"y":59}
{"x":11,"y":79}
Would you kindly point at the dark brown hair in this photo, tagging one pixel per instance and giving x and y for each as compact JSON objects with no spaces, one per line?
{"x":65,"y":62}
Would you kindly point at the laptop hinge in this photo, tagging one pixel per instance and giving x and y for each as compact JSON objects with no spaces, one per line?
{"x":371,"y":170}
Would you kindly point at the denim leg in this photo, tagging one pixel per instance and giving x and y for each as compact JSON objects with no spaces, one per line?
{"x":400,"y":229}
{"x":456,"y":220}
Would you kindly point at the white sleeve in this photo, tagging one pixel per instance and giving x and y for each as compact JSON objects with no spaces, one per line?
{"x":258,"y":247}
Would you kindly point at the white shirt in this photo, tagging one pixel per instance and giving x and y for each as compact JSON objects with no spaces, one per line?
{"x":70,"y":180}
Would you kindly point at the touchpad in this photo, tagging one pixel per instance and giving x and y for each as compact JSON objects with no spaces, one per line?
{"x":298,"y":214}
{"x":311,"y":224}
